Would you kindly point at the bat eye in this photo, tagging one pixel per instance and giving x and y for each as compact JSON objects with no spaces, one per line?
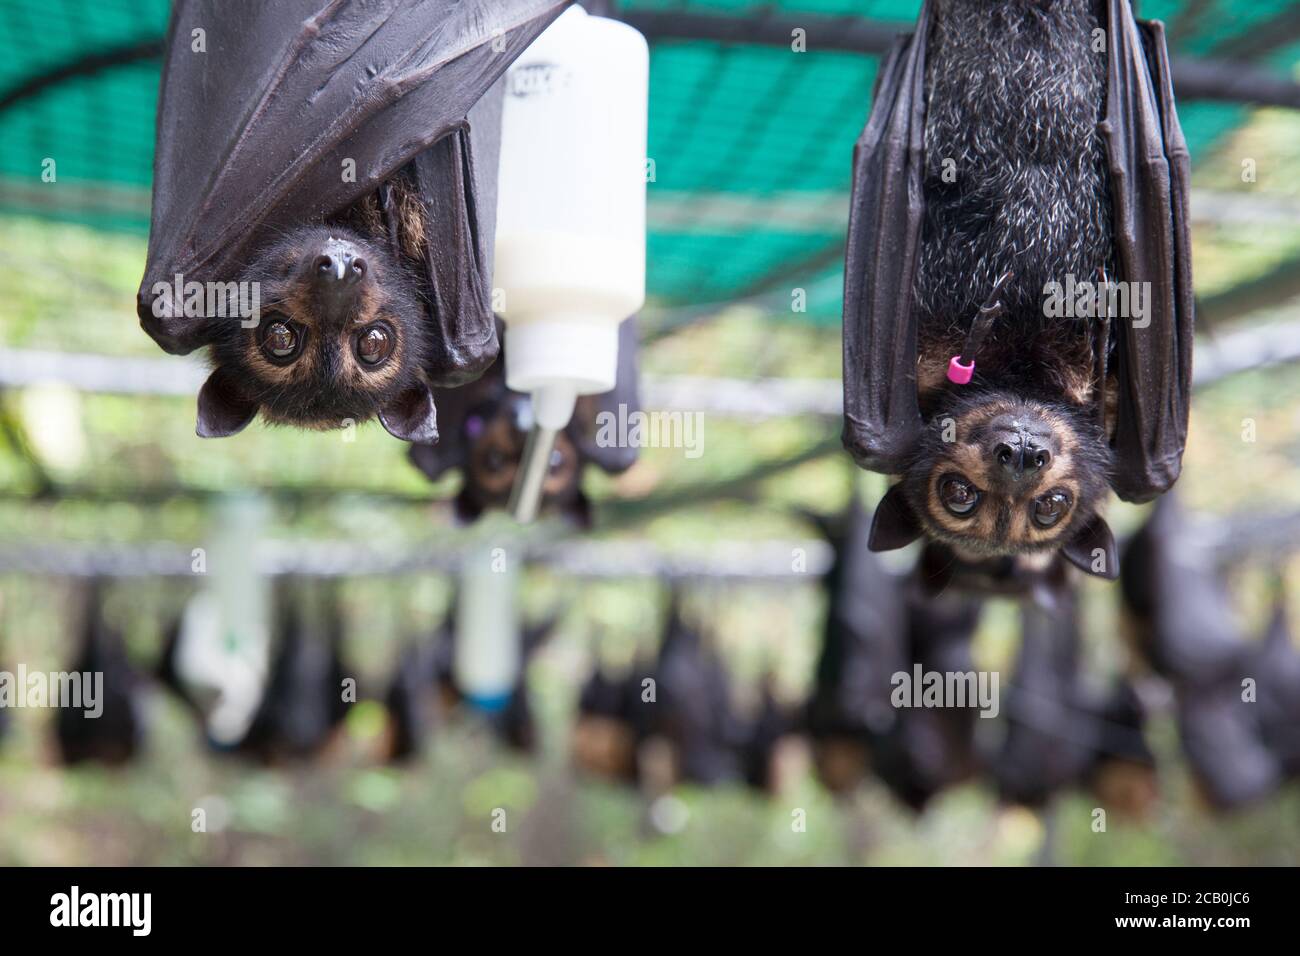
{"x":557,"y":459}
{"x":1050,"y":508}
{"x":281,"y":342}
{"x":375,"y":343}
{"x":958,"y":495}
{"x":494,"y":459}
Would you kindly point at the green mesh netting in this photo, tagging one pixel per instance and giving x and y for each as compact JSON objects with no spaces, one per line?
{"x":751,"y":144}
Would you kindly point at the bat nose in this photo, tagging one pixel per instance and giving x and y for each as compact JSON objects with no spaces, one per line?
{"x":1020,"y":456}
{"x":338,"y":264}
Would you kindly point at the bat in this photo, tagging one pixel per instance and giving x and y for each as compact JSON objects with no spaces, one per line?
{"x":1177,"y":612}
{"x":878,"y":626}
{"x":302,"y":706}
{"x":692,"y":714}
{"x":864,"y":642}
{"x":484,"y":426}
{"x":423,"y":692}
{"x":931,"y":748}
{"x":324,"y":204}
{"x":1122,"y":773}
{"x":766,"y":752}
{"x":412,"y":701}
{"x":1019,"y":154}
{"x":1060,"y":732}
{"x":1181,"y":621}
{"x":114,"y":736}
{"x":1276,"y":668}
{"x":611,"y":725}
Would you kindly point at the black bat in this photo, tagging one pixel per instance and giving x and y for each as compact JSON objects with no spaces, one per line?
{"x":878,"y":625}
{"x":302,"y":705}
{"x":423,"y":691}
{"x":339,"y":160}
{"x":1015,"y":151}
{"x":864,"y":643}
{"x":484,"y":426}
{"x":1178,"y":611}
{"x":764,"y":734}
{"x":931,"y":748}
{"x":692,"y":712}
{"x":114,"y":736}
{"x":1060,"y":731}
{"x":1277,"y":673}
{"x":613,"y":720}
{"x":412,"y":701}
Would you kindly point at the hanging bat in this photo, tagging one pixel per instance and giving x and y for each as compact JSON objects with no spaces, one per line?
{"x":931,"y":748}
{"x":1178,"y":613}
{"x":612,"y":722}
{"x":692,"y":713}
{"x":324,"y":204}
{"x":302,"y":706}
{"x":1181,"y":621}
{"x":1019,"y":154}
{"x":1060,"y":732}
{"x":864,"y":643}
{"x":484,"y":426}
{"x":423,"y":691}
{"x":114,"y":736}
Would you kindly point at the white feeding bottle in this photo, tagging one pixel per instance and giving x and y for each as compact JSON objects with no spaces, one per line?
{"x":570,"y":238}
{"x":486,"y":656}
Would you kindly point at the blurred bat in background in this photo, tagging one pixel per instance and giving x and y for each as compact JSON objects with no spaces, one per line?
{"x":114,"y":735}
{"x":1018,"y":296}
{"x":484,"y":426}
{"x":324,"y":204}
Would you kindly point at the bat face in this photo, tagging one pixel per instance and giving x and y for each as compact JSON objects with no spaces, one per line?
{"x":338,"y":341}
{"x":997,"y":475}
{"x":494,"y":435}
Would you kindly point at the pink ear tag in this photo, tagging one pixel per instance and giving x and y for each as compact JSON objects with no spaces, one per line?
{"x":960,"y":374}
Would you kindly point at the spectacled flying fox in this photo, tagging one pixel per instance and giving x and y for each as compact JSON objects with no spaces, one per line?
{"x":343,"y":175}
{"x":1015,"y":149}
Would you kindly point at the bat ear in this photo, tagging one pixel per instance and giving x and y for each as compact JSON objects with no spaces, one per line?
{"x":223,"y":410}
{"x":1092,"y":550}
{"x":411,"y":416}
{"x":895,"y":524}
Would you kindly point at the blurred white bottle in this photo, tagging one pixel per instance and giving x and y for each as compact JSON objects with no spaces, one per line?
{"x":570,"y":239}
{"x":486,"y":659}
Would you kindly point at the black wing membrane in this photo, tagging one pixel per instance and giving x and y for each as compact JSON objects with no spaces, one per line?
{"x":882,"y":417}
{"x":1150,"y":168}
{"x":457,"y":177}
{"x":254,"y":129}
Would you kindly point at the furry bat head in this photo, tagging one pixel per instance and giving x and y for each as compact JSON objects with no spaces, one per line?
{"x":998,"y":475}
{"x":340,"y":339}
{"x":494,"y":435}
{"x":485,"y":427}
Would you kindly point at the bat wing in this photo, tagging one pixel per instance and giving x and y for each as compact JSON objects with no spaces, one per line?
{"x":266,"y":107}
{"x":612,"y":406}
{"x":882,"y":418}
{"x":1150,"y":168}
